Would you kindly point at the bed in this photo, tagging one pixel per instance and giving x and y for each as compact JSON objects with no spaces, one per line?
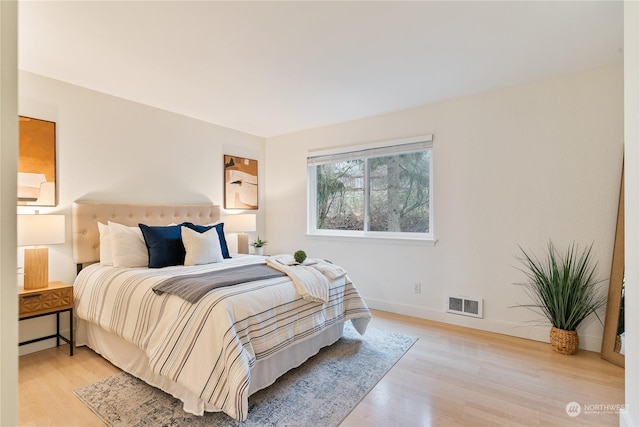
{"x":211,"y":354}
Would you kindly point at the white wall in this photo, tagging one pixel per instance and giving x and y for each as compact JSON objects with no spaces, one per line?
{"x":512,"y":167}
{"x":112,"y":149}
{"x":632,"y":211}
{"x":8,"y":194}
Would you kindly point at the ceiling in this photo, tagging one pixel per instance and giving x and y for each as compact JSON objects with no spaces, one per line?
{"x":271,"y":68}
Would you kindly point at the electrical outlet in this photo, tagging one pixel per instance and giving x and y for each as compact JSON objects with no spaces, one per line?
{"x":417,"y":288}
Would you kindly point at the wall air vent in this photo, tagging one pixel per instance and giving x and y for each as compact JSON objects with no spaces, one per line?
{"x":466,"y":306}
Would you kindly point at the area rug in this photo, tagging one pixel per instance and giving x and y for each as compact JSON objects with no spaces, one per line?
{"x":321,"y":392}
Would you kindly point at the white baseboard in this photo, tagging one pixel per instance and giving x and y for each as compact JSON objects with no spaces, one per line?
{"x":626,"y":421}
{"x":536,"y":333}
{"x":41,"y":345}
{"x":36,"y":346}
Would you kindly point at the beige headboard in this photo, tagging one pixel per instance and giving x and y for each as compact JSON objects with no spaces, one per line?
{"x":86,"y":216}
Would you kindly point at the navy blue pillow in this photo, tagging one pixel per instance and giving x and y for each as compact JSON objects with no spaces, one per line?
{"x":219,"y":228}
{"x":164,"y":245}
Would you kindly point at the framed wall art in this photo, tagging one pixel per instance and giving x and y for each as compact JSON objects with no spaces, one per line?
{"x":37,"y":162}
{"x":240,"y":183}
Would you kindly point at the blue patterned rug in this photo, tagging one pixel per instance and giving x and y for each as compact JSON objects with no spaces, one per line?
{"x":321,"y":392}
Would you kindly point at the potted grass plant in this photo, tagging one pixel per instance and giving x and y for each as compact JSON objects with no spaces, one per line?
{"x":564,"y":288}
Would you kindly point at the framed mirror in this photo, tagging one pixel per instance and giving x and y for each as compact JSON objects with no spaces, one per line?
{"x":613,"y":339}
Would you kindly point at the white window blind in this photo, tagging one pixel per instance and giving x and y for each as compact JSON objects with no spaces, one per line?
{"x":367,"y":153}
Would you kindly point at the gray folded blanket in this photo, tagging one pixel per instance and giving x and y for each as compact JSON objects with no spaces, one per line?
{"x":192,"y":287}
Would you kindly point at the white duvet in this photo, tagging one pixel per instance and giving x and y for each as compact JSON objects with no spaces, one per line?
{"x":209,"y":347}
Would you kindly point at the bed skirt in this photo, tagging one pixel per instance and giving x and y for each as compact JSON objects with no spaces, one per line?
{"x":131,"y":359}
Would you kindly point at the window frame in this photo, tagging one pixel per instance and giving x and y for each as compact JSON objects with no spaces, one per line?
{"x":385,"y":148}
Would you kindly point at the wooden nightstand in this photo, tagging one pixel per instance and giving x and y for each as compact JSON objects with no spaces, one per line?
{"x":54,"y":299}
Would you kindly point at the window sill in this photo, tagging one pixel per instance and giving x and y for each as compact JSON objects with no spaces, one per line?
{"x":393,"y":240}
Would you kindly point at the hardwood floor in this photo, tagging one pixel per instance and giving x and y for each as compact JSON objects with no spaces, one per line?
{"x":452,"y":376}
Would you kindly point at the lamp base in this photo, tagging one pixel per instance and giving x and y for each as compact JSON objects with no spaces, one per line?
{"x":243,"y":243}
{"x":36,"y":268}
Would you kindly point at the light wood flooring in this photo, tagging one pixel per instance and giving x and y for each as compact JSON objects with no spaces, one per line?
{"x":452,"y":376}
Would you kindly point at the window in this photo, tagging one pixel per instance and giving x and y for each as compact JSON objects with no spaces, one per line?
{"x":382,"y":191}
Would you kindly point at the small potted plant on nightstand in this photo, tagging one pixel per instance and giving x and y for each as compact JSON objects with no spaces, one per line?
{"x":563,"y":287}
{"x":259,"y":245}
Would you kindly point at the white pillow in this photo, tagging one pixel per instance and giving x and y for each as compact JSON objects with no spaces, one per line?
{"x":127,"y":246}
{"x":201,"y":248}
{"x":106,"y":255}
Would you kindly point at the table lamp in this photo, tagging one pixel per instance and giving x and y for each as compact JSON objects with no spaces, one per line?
{"x":34,"y":230}
{"x":241,"y":223}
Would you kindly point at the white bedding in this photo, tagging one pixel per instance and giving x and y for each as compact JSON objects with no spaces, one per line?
{"x":210,"y":347}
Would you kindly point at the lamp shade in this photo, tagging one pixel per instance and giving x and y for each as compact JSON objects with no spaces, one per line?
{"x":36,"y":230}
{"x":240,"y":223}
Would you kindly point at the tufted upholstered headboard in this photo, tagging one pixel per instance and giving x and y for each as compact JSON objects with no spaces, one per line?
{"x":85,"y":217}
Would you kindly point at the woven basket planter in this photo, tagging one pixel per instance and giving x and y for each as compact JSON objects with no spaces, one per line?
{"x":564,"y":342}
